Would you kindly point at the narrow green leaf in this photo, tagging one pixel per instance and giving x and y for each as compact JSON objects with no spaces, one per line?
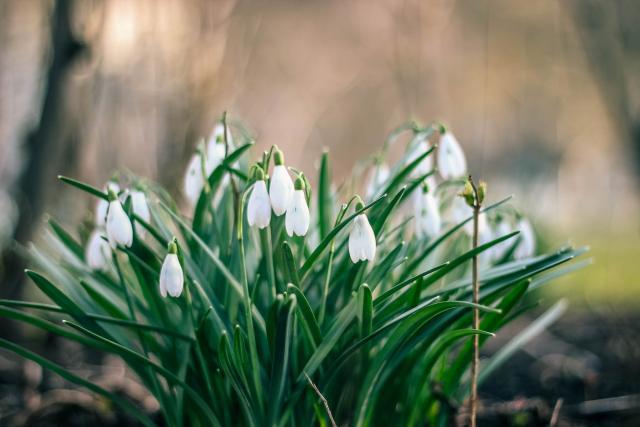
{"x":84,"y":187}
{"x":127,"y":406}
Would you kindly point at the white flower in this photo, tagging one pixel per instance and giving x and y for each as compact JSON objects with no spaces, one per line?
{"x":362,"y":240}
{"x":527,"y":245}
{"x":215,"y":156}
{"x":171,"y":276}
{"x":119,"y":229}
{"x":193,"y":179}
{"x":297,"y":219}
{"x":502,"y":229}
{"x":102,"y":205}
{"x":141,"y":209}
{"x":460,"y":211}
{"x":259,"y":206}
{"x":217,"y":136}
{"x":451,"y":159}
{"x":427,"y":215}
{"x":420,"y":146}
{"x":377,"y":179}
{"x":98,"y":252}
{"x":280,"y":186}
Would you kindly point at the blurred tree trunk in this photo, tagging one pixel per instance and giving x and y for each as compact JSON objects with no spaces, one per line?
{"x":610,"y":35}
{"x":51,"y":139}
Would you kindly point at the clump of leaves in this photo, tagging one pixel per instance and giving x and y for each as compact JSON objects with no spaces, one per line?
{"x":271,"y":327}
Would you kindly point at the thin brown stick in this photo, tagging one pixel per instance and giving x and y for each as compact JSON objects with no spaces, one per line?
{"x":555,"y":416}
{"x":322,"y":399}
{"x":473,"y":401}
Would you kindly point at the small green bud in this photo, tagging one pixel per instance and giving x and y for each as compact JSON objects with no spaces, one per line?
{"x":482,"y":191}
{"x":467,"y":193}
{"x":359,"y":203}
{"x":278,"y":157}
{"x":442,"y":128}
{"x":299,"y":183}
{"x":258,"y":173}
{"x":112,"y":195}
{"x":220,"y":139}
{"x":172,"y":247}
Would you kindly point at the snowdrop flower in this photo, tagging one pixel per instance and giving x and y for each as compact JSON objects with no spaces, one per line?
{"x":259,"y":206}
{"x":171,"y":276}
{"x":141,"y":209}
{"x":98,"y":251}
{"x":362,"y":240}
{"x":420,"y":146}
{"x":527,"y":245}
{"x":217,"y":136}
{"x":377,"y":179}
{"x":280,"y":185}
{"x":460,"y":211}
{"x":103,"y":205}
{"x":297,"y":219}
{"x":119,"y":229}
{"x":193,"y":179}
{"x":502,"y":229}
{"x":451,"y":159}
{"x":427,"y":215}
{"x":215,"y":154}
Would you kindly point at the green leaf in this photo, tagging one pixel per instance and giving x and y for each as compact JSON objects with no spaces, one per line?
{"x":127,"y":406}
{"x":324,"y":196}
{"x":128,"y":354}
{"x":67,"y":239}
{"x":308,"y":318}
{"x":84,"y":187}
{"x":281,"y":358}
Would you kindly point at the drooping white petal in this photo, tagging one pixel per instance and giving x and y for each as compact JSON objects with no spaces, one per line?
{"x":218,"y":134}
{"x":527,"y":245}
{"x":461,"y":211}
{"x":259,"y":206}
{"x":420,"y":147}
{"x":362,"y":240}
{"x":215,"y":156}
{"x":502,"y":229}
{"x":297,"y":219}
{"x":119,"y":229}
{"x":102,"y":205}
{"x":171,"y":276}
{"x":98,"y":252}
{"x":427,"y":215}
{"x":141,"y":209}
{"x":451,"y":159}
{"x":193,"y":180}
{"x":377,"y":179}
{"x":280,"y":189}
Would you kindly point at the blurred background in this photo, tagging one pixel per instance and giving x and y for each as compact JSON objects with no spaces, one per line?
{"x":544,"y":97}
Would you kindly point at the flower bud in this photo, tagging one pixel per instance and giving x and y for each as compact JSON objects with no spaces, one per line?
{"x":259,"y":206}
{"x":280,"y":185}
{"x":362,"y":239}
{"x":171,"y":275}
{"x":298,"y":219}
{"x":102,"y":205}
{"x":141,"y":209}
{"x":451,"y":160}
{"x":98,"y":252}
{"x":119,"y":229}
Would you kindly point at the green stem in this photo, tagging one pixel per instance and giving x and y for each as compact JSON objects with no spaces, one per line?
{"x":132,"y":314}
{"x":325,"y":288}
{"x":267,"y":248}
{"x":199,"y":355}
{"x":253,"y":350}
